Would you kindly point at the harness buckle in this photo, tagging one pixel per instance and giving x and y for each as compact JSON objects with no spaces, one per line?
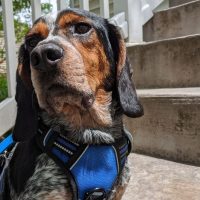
{"x":96,"y":194}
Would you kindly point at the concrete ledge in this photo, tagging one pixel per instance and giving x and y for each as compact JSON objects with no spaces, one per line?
{"x":170,"y":127}
{"x":168,"y":63}
{"x":170,"y":93}
{"x":157,"y":179}
{"x":174,"y":22}
{"x":173,"y":3}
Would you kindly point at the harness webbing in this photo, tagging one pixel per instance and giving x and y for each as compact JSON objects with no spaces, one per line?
{"x":94,"y":169}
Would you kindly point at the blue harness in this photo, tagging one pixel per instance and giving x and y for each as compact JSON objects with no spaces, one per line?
{"x":94,"y":169}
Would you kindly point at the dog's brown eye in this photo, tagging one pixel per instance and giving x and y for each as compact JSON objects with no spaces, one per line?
{"x":81,"y":28}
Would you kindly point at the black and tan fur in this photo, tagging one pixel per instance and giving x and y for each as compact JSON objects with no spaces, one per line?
{"x":88,"y":87}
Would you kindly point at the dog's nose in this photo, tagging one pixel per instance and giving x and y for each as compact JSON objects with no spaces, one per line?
{"x":46,"y":56}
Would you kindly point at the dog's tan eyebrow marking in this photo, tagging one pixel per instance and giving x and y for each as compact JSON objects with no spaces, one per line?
{"x":40,"y":28}
{"x":71,"y":18}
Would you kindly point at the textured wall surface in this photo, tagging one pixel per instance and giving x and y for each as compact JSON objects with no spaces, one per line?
{"x":170,"y":126}
{"x":169,"y":63}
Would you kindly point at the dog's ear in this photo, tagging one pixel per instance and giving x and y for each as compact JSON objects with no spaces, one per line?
{"x":126,"y":90}
{"x":26,"y":121}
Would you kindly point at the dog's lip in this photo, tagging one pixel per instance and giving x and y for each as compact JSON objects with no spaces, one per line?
{"x":56,"y":86}
{"x":61,"y":87}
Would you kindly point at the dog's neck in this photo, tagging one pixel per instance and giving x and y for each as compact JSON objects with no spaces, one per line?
{"x":97,"y":135}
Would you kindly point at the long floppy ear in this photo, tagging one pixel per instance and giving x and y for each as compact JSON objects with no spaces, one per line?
{"x":26,"y":121}
{"x":126,"y":90}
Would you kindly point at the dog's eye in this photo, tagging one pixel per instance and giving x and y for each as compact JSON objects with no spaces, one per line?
{"x":32,"y":42}
{"x":81,"y":28}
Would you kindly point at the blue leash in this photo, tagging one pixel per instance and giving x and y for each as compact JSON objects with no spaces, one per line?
{"x":6,"y":143}
{"x":5,"y":157}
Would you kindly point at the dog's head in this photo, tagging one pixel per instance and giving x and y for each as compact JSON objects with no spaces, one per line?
{"x":78,"y":69}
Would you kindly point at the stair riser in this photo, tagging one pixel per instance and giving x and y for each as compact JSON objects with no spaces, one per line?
{"x":169,"y":129}
{"x":171,"y":63}
{"x":176,"y":22}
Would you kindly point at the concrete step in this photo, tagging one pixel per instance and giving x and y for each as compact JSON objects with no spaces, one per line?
{"x":170,"y":126}
{"x":167,"y":63}
{"x":157,"y":179}
{"x":174,"y":22}
{"x":173,"y":3}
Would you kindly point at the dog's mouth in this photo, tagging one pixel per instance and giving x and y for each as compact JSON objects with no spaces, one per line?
{"x":62,"y":89}
{"x":70,"y":95}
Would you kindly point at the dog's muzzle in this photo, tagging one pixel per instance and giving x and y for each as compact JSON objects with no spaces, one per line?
{"x":46,"y":56}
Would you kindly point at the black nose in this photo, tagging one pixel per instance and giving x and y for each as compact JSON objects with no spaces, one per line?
{"x":46,"y":56}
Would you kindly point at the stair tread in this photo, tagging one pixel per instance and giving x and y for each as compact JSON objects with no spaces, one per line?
{"x":170,"y":92}
{"x":158,"y":179}
{"x":175,"y":3}
{"x":128,"y":44}
{"x":178,"y":6}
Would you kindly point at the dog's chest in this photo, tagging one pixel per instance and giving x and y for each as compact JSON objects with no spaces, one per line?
{"x":48,"y":182}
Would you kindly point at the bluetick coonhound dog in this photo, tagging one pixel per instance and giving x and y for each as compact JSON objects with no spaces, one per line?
{"x":73,"y":86}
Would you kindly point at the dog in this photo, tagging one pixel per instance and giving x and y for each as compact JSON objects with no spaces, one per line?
{"x":73,"y":79}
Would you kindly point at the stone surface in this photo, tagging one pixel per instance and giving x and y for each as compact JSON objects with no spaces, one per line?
{"x":178,"y":2}
{"x":157,"y":179}
{"x":175,"y":22}
{"x":167,"y":63}
{"x":170,"y":126}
